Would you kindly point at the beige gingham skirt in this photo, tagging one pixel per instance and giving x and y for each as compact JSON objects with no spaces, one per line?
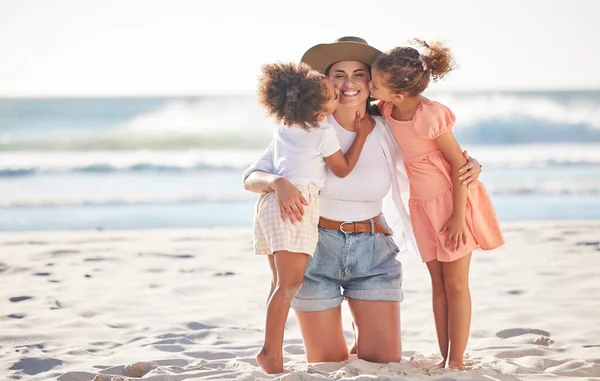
{"x":271,"y":234}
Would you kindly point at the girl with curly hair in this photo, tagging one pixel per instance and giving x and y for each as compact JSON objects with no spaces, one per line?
{"x":304,"y":145}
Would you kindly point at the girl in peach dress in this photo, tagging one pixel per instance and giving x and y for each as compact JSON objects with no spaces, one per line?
{"x":449,"y":219}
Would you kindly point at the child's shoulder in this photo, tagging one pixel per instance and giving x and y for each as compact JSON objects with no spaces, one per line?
{"x":325,"y":124}
{"x":429,"y":105}
{"x":432,"y":119}
{"x":433,"y":110}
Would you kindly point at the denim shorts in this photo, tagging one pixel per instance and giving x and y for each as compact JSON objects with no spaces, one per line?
{"x":355,"y":265}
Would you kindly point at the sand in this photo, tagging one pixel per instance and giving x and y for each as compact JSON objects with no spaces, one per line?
{"x":188,"y":304}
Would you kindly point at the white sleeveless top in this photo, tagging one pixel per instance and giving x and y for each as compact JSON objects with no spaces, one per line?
{"x":359,"y":195}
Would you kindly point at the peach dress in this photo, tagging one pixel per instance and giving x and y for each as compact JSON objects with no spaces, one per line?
{"x":430,"y":174}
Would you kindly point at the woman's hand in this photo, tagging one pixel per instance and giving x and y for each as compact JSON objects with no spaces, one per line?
{"x":469,"y":173}
{"x":290,"y":200}
{"x":457,"y":230}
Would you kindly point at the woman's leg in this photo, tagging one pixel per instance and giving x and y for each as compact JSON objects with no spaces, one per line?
{"x":377,"y":329}
{"x":273,"y":276}
{"x":440,"y":308}
{"x":290,"y":273}
{"x":456,"y":280}
{"x":323,"y":335}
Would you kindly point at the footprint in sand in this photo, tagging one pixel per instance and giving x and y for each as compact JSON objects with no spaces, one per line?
{"x":595,"y":243}
{"x":512,"y":332}
{"x":17,"y":299}
{"x":100,"y":259}
{"x":173,"y":256}
{"x":57,"y":253}
{"x":34,"y":365}
{"x":225,"y":273}
{"x":197,"y":326}
{"x":18,"y":243}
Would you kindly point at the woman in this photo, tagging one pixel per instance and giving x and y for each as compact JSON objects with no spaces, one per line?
{"x":355,"y":251}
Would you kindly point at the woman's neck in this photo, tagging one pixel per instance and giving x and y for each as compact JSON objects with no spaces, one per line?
{"x":405,"y":110}
{"x":345,"y":116}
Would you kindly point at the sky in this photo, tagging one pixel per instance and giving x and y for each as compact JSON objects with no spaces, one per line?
{"x":185,"y":47}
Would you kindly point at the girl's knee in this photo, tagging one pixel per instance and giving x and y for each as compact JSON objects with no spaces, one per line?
{"x":456,"y":286}
{"x":438,"y":287}
{"x":289,"y":289}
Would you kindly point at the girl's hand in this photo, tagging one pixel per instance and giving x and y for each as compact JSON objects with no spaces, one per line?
{"x":457,"y":230}
{"x":361,"y":129}
{"x":469,"y":173}
{"x":290,"y":200}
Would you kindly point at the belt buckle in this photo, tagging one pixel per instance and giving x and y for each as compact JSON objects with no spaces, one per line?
{"x":342,"y":226}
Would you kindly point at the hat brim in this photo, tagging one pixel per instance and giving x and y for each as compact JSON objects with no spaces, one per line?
{"x":321,"y":56}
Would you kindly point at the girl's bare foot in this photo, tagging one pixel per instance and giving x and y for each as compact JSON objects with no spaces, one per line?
{"x":439,"y":365}
{"x":269,"y":362}
{"x":456,"y":365}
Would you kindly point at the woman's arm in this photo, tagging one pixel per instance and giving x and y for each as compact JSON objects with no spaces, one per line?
{"x":264,"y":164}
{"x":456,"y":225}
{"x":469,"y":173}
{"x":259,"y":178}
{"x":290,"y":199}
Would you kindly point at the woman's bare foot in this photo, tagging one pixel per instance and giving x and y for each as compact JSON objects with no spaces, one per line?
{"x":456,"y":365}
{"x":270,"y":363}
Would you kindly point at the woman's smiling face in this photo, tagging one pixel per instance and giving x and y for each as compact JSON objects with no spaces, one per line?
{"x":351,"y":78}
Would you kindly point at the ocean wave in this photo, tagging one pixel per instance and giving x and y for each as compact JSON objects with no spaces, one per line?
{"x":551,"y":108}
{"x":124,"y":141}
{"x":535,"y":155}
{"x":16,"y":164}
{"x":542,"y":188}
{"x":545,"y":188}
{"x":239,"y":122}
{"x":75,"y":201}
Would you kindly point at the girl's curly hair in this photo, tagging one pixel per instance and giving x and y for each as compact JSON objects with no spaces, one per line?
{"x":292,"y":93}
{"x":411,"y":72}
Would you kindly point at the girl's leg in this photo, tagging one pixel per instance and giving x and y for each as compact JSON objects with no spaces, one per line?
{"x":323,"y":335}
{"x":290,"y":273}
{"x":273,"y":276}
{"x":440,"y":308}
{"x":456,"y":280}
{"x":377,"y":330}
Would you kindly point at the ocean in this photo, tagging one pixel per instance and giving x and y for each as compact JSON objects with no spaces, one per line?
{"x":135,"y":163}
